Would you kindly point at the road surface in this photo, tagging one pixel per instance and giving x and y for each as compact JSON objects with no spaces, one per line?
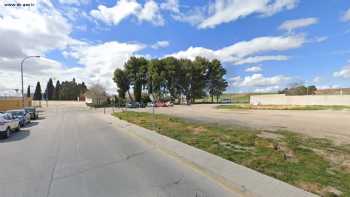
{"x":71,"y":153}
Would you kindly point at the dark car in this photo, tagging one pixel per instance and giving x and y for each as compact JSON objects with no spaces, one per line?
{"x":33,"y":113}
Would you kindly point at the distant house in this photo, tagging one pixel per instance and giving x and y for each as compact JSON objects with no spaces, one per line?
{"x":96,"y":95}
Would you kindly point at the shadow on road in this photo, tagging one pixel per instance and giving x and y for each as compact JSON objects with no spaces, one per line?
{"x":31,"y":124}
{"x":16,"y":136}
{"x":41,"y":118}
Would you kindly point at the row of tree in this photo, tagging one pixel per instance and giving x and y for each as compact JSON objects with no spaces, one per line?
{"x":299,"y":89}
{"x":67,"y":90}
{"x":172,"y":78}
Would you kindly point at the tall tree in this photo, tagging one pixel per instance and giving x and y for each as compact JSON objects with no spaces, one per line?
{"x":136,"y":69}
{"x":123,"y":83}
{"x":216,"y":84}
{"x":37,"y":93}
{"x":50,"y":90}
{"x":28,"y":91}
{"x":57,"y":90}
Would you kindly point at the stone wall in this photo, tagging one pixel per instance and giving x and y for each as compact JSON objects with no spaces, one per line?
{"x":281,"y":99}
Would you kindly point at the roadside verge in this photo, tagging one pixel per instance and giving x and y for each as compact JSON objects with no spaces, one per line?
{"x":235,"y":177}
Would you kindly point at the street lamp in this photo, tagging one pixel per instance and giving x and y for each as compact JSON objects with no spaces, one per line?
{"x":22,"y":75}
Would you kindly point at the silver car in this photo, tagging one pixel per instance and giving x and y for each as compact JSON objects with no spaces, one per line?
{"x":8,"y":124}
{"x":21,"y":115}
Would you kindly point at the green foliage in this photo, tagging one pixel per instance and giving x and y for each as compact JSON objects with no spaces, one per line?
{"x":50,"y":89}
{"x":57,"y":90}
{"x":122,"y":81}
{"x":299,"y":160}
{"x":299,"y":90}
{"x":37,"y":93}
{"x":28,"y":91}
{"x":71,"y":90}
{"x":171,"y":78}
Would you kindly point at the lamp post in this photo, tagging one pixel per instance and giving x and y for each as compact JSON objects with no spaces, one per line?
{"x":22,"y":75}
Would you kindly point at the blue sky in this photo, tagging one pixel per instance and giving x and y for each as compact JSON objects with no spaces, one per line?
{"x":265,"y":45}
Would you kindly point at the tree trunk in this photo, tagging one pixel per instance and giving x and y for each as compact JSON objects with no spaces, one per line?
{"x":130,"y":96}
{"x":212,"y":98}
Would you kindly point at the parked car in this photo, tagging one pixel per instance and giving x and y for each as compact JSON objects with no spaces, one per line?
{"x":226,"y":101}
{"x":21,"y":115}
{"x":32,"y":112}
{"x":8,"y":124}
{"x":132,"y":105}
{"x":150,"y":104}
{"x":169,"y":104}
{"x":160,"y":104}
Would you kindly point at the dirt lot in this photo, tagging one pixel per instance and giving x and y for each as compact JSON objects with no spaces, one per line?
{"x":321,"y":123}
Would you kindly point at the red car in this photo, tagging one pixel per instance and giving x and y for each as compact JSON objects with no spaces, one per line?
{"x":160,"y":104}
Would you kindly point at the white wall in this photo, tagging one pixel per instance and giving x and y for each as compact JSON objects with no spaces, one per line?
{"x":281,"y":99}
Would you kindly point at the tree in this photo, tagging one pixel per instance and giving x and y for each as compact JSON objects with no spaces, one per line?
{"x":98,"y":93}
{"x":136,"y":69}
{"x":37,"y":93}
{"x":216,"y":84}
{"x":299,"y":89}
{"x":170,"y":78}
{"x":57,"y":90}
{"x":311,"y":90}
{"x":123,"y":83}
{"x":198,"y":78}
{"x":28,"y":92}
{"x":50,"y":89}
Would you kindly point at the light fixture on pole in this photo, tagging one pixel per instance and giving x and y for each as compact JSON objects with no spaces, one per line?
{"x":22,"y":75}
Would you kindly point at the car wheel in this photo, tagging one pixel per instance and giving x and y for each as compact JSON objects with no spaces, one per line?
{"x":8,"y":133}
{"x":17,"y":128}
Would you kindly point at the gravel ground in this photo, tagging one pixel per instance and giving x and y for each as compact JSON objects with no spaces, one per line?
{"x":319,"y":123}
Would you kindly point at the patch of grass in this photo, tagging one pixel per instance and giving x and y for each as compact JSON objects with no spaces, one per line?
{"x":299,"y":160}
{"x":283,"y":107}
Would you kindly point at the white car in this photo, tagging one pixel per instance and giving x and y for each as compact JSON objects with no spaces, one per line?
{"x":8,"y":124}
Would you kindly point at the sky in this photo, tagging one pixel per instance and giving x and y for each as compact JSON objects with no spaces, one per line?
{"x":264,"y":45}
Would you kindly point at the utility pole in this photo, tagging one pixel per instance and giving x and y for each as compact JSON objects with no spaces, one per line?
{"x":22,"y":75}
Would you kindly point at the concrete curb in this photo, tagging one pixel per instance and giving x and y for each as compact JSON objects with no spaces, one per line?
{"x":234,"y":177}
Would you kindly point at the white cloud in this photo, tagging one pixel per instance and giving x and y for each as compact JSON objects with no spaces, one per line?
{"x":316,"y":79}
{"x":171,"y":5}
{"x":74,"y":2}
{"x":160,"y":44}
{"x":253,"y":69}
{"x":343,"y":73}
{"x":32,"y":31}
{"x":101,"y":60}
{"x":224,"y":11}
{"x":193,"y":16}
{"x":151,"y":13}
{"x":257,"y":59}
{"x":258,"y":80}
{"x":268,"y":89}
{"x":124,"y":8}
{"x":41,"y":29}
{"x":346,"y":16}
{"x":114,"y":15}
{"x":242,"y":52}
{"x":291,"y":25}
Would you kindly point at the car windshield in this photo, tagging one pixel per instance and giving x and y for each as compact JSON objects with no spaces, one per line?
{"x":17,"y":113}
{"x":30,"y":110}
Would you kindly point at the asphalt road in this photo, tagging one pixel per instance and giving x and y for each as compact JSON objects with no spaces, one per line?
{"x":71,"y":153}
